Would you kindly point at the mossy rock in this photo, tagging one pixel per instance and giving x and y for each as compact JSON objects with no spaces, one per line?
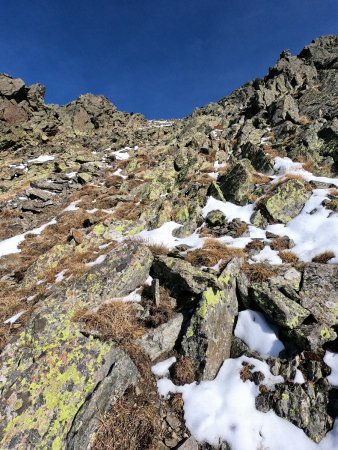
{"x":286,"y":201}
{"x":236,"y":185}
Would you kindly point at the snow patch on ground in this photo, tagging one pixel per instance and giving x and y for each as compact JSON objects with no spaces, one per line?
{"x":230,"y":210}
{"x":72,"y":206}
{"x":10,"y":245}
{"x":161,"y":369}
{"x":331,"y":359}
{"x":42,"y":159}
{"x":258,"y":333}
{"x":14,"y":318}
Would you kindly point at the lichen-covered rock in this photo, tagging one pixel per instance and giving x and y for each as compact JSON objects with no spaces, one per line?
{"x":287,"y":201}
{"x":59,"y":390}
{"x":124,"y":269}
{"x":303,"y":405}
{"x":236,"y":185}
{"x":310,"y":337}
{"x":180,"y":277}
{"x":207,"y":341}
{"x":215,"y":218}
{"x":279,"y":308}
{"x":319,"y":292}
{"x":162,"y":339}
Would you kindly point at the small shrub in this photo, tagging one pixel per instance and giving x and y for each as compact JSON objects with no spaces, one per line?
{"x":255,"y":244}
{"x":211,"y":253}
{"x":280,"y":243}
{"x":323,"y":258}
{"x":288,"y":257}
{"x":183,"y":371}
{"x":257,"y":273}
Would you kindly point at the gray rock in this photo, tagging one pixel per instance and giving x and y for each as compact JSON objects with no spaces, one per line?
{"x":319,"y":292}
{"x":189,"y":444}
{"x":11,"y":87}
{"x":162,"y":339}
{"x":236,"y":185}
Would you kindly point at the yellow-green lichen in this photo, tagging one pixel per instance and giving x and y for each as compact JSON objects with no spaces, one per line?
{"x":209,"y":300}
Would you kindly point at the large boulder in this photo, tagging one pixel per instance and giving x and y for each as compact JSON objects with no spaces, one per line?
{"x":319,"y":292}
{"x":207,"y":341}
{"x":236,"y":185}
{"x":11,"y":87}
{"x":286,"y":201}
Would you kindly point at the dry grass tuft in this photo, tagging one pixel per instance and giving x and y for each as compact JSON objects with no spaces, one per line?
{"x":280,"y":243}
{"x":128,"y":211}
{"x":212,"y":252}
{"x":116,"y":321}
{"x":183,"y":371}
{"x":156,"y":249}
{"x":131,"y":424}
{"x":255,"y":244}
{"x":257,"y":273}
{"x":259,"y":178}
{"x":323,"y":258}
{"x":304,"y":120}
{"x":288,"y":257}
{"x":113,"y":180}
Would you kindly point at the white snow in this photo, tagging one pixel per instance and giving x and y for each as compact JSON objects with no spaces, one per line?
{"x":13,"y":319}
{"x":71,"y":175}
{"x":42,"y":159}
{"x":163,"y":236}
{"x":121,"y":155}
{"x":314,"y":230}
{"x":161,"y":369}
{"x":60,"y":276}
{"x":149,"y":281}
{"x":331,"y":359}
{"x":224,"y":410}
{"x":258,"y":333}
{"x":284,"y":166}
{"x":10,"y":245}
{"x":99,"y":260}
{"x":299,"y":377}
{"x":268,"y":255}
{"x":118,"y":173}
{"x":230,"y":210}
{"x":72,"y":206}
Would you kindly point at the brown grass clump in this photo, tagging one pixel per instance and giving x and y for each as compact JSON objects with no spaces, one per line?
{"x":128,"y":211}
{"x":288,"y":257}
{"x":131,"y":424}
{"x":156,"y":249}
{"x":212,"y":252}
{"x":113,"y":180}
{"x":257,"y":273}
{"x":255,"y":244}
{"x":273,"y":152}
{"x":183,"y":371}
{"x":304,"y":120}
{"x":280,"y":243}
{"x":116,"y":321}
{"x":323,"y":258}
{"x":259,"y":178}
{"x":240,"y":229}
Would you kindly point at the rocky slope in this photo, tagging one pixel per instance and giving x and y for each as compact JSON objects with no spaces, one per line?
{"x":137,"y":257}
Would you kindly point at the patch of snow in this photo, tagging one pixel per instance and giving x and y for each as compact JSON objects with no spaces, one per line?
{"x":60,"y":276}
{"x":331,"y":359}
{"x":230,"y":210}
{"x":10,"y":245}
{"x":18,"y":166}
{"x":149,"y":281}
{"x":213,"y":175}
{"x":299,"y":377}
{"x":258,"y":333}
{"x":13,"y":319}
{"x":121,"y":155}
{"x":284,"y":166}
{"x":72,"y":206}
{"x":218,"y":165}
{"x":118,"y":173}
{"x":42,"y":159}
{"x":134,"y":296}
{"x":224,"y":410}
{"x":314,"y":230}
{"x":99,"y":260}
{"x":71,"y":175}
{"x":268,"y":255}
{"x":91,"y":211}
{"x":161,"y":369}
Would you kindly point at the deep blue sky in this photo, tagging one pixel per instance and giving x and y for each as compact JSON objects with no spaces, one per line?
{"x":158,"y":57}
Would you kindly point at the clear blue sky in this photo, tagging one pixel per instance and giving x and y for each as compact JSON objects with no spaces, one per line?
{"x":158,"y":57}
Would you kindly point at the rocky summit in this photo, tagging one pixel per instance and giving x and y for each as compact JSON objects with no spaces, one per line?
{"x":172,"y":284}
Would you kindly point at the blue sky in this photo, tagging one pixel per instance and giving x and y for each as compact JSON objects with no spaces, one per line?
{"x":162,"y":58}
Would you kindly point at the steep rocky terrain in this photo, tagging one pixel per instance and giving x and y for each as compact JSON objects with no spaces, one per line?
{"x":172,"y":284}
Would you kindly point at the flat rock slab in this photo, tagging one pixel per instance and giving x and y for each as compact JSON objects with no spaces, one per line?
{"x":319,"y":293}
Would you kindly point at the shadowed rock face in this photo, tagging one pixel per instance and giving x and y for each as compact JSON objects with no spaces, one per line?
{"x":100,"y":177}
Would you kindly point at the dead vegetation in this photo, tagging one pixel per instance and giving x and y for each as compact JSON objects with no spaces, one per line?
{"x":259,"y":178}
{"x":211,"y":253}
{"x":288,"y":257}
{"x":182,"y":372}
{"x":156,"y":249}
{"x":323,"y":258}
{"x":115,"y":321}
{"x":257,"y":273}
{"x":280,"y":243}
{"x":255,"y":244}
